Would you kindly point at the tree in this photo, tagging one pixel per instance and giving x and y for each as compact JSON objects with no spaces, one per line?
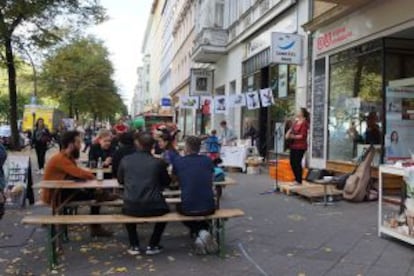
{"x":79,"y":75}
{"x":38,"y":23}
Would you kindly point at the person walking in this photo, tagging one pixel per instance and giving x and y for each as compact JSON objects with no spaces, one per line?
{"x":3,"y":158}
{"x":297,"y":135}
{"x":144,"y":177}
{"x":41,"y":139}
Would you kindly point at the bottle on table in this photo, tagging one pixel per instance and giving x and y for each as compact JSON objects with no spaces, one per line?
{"x":99,"y":171}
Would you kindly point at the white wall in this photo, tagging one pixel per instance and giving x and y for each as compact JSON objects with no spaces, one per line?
{"x":228,"y":69}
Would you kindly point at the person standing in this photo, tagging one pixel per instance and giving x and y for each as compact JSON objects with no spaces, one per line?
{"x":120,"y":127}
{"x":250,"y":132}
{"x":195,"y":177}
{"x":3,"y":158}
{"x":227,"y":135}
{"x":41,"y":139}
{"x":144,"y":177}
{"x":298,"y":136}
{"x":87,"y":138}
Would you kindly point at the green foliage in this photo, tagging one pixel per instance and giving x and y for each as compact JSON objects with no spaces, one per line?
{"x":22,"y":100}
{"x":79,"y":76}
{"x":38,"y":23}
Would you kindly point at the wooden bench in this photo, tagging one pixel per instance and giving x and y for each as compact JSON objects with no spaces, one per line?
{"x":218,"y":219}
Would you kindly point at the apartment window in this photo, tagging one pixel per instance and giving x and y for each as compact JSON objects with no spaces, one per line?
{"x":219,"y":15}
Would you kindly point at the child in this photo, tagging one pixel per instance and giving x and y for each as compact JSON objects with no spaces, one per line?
{"x":213,"y":145}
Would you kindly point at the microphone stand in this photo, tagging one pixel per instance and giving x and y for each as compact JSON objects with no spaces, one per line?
{"x":275,"y":189}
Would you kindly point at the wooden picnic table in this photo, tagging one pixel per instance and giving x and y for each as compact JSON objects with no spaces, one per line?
{"x":58,"y":185}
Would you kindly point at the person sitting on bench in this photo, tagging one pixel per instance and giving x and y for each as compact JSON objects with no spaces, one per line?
{"x":62,"y":166}
{"x":195,"y":177}
{"x":144,"y":177}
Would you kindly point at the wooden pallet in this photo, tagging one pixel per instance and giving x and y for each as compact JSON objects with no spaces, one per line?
{"x":288,"y":188}
{"x":315,"y":192}
{"x":307,"y":190}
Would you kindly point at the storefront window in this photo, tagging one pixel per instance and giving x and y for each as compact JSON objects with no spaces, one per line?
{"x":355,"y":101}
{"x":399,"y":71}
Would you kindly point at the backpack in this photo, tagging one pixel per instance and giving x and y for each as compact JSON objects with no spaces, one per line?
{"x":219,"y":175}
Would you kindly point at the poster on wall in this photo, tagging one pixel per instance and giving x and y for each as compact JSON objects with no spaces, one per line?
{"x":252,"y":100}
{"x":201,"y":82}
{"x":283,"y":81}
{"x":220,"y":104}
{"x":189,"y":102}
{"x":206,"y":104}
{"x":238,"y":100}
{"x":266,"y":97}
{"x":399,"y":136}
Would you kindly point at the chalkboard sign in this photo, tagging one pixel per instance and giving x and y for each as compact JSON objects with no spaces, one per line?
{"x":318,"y":110}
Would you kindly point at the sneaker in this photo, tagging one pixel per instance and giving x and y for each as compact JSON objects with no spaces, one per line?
{"x":209,"y":241}
{"x":42,"y":172}
{"x":154,"y":250}
{"x":199,"y":247}
{"x":133,"y":250}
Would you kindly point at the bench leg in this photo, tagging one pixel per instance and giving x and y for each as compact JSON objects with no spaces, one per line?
{"x":52,"y":244}
{"x":219,"y":228}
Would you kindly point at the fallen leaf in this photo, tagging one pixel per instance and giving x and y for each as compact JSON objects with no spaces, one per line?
{"x":289,"y":255}
{"x":96,"y":273}
{"x":301,"y":274}
{"x":54,"y":271}
{"x":249,"y":231}
{"x":15,"y":260}
{"x":151,"y":270}
{"x":290,"y":231}
{"x":25,"y":251}
{"x":327,"y":249}
{"x":171,"y":258}
{"x":121,"y":269}
{"x":296,"y":217}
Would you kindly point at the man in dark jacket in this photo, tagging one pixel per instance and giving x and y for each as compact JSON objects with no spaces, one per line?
{"x":144,"y":177}
{"x":195,"y":175}
{"x":126,"y":147}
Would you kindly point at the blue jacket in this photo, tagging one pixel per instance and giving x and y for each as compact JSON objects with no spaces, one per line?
{"x":213,"y":145}
{"x":195,"y":175}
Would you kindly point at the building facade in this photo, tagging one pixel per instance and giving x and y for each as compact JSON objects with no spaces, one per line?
{"x":151,"y":51}
{"x":138,"y":99}
{"x":234,"y":39}
{"x":362,"y":81}
{"x":183,"y":34}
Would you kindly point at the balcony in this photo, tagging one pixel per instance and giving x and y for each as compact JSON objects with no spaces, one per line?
{"x":210,"y":45}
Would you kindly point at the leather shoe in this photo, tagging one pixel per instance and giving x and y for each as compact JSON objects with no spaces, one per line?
{"x":98,"y":231}
{"x":106,"y":196}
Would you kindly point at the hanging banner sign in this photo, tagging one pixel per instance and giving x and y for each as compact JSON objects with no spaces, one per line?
{"x":252,"y":99}
{"x":238,"y":100}
{"x":189,"y":102}
{"x":201,"y":82}
{"x":220,"y":104}
{"x":266,"y":97}
{"x":286,"y":48}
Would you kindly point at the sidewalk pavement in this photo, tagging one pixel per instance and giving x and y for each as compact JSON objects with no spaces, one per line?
{"x":280,"y":235}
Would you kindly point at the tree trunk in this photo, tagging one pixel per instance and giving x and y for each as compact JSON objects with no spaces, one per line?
{"x":11,"y":69}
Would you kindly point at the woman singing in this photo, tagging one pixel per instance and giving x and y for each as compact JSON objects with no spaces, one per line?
{"x":298,"y":136}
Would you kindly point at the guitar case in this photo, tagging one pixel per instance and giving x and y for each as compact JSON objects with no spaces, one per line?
{"x":357,"y":184}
